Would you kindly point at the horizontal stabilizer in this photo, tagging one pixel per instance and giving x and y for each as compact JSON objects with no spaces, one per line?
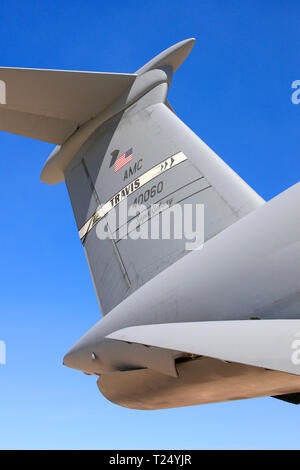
{"x":50,"y":105}
{"x":272,"y":344}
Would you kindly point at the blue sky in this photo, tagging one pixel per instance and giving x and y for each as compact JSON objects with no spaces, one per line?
{"x":234,"y":91}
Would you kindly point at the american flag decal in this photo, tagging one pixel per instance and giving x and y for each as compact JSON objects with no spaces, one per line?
{"x":122,"y":160}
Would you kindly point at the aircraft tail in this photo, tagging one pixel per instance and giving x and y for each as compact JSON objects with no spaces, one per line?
{"x":121,"y":143}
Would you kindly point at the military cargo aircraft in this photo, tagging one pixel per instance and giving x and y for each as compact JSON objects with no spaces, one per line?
{"x":179,"y":326}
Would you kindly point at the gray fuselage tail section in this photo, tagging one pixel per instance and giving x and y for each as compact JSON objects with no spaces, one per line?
{"x":145,"y":156}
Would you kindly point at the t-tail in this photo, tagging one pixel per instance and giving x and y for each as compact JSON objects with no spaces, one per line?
{"x":118,"y":138}
{"x":178,"y":325}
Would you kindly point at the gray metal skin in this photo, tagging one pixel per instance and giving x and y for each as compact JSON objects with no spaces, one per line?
{"x":250,"y":270}
{"x":206,"y":304}
{"x":179,"y":328}
{"x":221,"y":303}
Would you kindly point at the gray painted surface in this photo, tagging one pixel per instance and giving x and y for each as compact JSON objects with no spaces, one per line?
{"x":164,"y":307}
{"x":250,"y":270}
{"x":175,"y":305}
{"x":154,"y":133}
{"x":261,"y":343}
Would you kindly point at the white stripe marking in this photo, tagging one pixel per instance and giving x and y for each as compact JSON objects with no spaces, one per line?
{"x":136,"y":184}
